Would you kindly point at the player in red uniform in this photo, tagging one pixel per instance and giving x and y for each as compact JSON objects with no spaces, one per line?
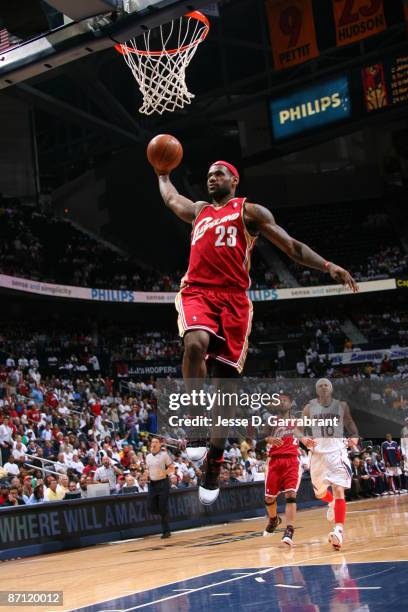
{"x":284,"y":472}
{"x":215,"y":312}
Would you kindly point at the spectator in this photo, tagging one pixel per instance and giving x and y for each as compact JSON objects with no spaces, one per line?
{"x":51,"y":493}
{"x":11,"y":467}
{"x":63,"y":484}
{"x":142,"y":483}
{"x":377,"y":477}
{"x":246,"y":445}
{"x":14,"y":499}
{"x":73,"y":491}
{"x":6,"y":440}
{"x":361,"y":485}
{"x":4,"y":493}
{"x":37,"y":496}
{"x":107,"y":473}
{"x":90,"y":468}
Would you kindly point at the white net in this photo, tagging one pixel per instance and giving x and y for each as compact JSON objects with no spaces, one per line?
{"x":161,"y":73}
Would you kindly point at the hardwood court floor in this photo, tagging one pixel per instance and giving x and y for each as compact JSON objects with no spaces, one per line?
{"x":376,"y":530}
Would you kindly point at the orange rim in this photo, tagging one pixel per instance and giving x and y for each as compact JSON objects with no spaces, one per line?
{"x":124,"y":49}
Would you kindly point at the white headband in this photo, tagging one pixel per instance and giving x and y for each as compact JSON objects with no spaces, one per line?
{"x":324,"y":380}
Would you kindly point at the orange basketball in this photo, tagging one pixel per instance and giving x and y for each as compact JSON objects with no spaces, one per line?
{"x":164,"y":152}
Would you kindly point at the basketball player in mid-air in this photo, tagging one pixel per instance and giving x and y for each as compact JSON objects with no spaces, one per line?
{"x":330,"y":465}
{"x":215,"y":312}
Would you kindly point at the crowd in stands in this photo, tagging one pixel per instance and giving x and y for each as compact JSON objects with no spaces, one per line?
{"x":364,"y":240}
{"x":61,"y":441}
{"x":390,"y":326}
{"x":61,"y":437}
{"x":377,"y":472}
{"x":67,"y":348}
{"x":44,"y":247}
{"x":389,"y":262}
{"x":82,"y":346}
{"x":57,"y":431}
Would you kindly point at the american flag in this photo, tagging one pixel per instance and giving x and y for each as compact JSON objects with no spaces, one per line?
{"x":4,"y":40}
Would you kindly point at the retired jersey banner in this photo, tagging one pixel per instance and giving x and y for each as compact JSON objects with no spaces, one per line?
{"x":385,"y":84}
{"x":358,"y":19}
{"x":292,"y":32}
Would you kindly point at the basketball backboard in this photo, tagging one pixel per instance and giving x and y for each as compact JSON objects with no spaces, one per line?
{"x":82,"y":37}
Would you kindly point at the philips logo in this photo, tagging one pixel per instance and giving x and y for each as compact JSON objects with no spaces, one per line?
{"x":311,"y":108}
{"x":112,"y":295}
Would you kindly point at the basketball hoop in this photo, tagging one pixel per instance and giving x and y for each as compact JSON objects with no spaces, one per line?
{"x":161,"y":73}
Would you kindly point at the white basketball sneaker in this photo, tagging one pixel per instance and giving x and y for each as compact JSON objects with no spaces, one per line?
{"x":209,"y":489}
{"x":330,"y":511}
{"x":207,"y":496}
{"x":336,"y":537}
{"x":196,"y":453}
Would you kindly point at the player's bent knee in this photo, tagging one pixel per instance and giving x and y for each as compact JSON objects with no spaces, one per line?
{"x":270,"y":501}
{"x":195,"y":347}
{"x":291,"y":500}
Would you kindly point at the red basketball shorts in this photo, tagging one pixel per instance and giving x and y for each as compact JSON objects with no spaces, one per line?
{"x":225,"y":315}
{"x":284,"y":474}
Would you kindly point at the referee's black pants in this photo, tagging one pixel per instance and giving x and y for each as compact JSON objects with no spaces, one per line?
{"x":158,"y":501}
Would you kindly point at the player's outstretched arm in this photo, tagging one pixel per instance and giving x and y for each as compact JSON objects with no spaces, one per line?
{"x":349,"y":424}
{"x":303,"y":438}
{"x":184,"y":208}
{"x":260,"y":219}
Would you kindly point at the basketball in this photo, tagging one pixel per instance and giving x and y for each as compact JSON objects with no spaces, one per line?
{"x":164,"y":152}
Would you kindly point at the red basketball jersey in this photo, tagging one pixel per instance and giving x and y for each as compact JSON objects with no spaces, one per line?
{"x":220,"y":247}
{"x":290,"y":444}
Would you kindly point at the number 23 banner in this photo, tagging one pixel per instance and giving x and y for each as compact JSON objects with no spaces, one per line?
{"x":292,"y":32}
{"x":358,"y":19}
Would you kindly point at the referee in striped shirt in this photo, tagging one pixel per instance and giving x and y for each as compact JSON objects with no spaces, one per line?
{"x":160,"y":466}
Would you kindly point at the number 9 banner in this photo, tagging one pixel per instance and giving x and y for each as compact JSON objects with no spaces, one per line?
{"x":358,"y":19}
{"x":292,"y":32}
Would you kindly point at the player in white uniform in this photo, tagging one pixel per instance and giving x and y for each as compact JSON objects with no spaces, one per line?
{"x":330,"y":465}
{"x":404,"y":442}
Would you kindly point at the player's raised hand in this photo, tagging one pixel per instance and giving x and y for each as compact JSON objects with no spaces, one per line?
{"x":342,"y":276}
{"x":308,"y":442}
{"x":274,"y":441}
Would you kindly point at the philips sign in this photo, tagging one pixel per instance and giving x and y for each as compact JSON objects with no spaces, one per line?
{"x":311,"y":108}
